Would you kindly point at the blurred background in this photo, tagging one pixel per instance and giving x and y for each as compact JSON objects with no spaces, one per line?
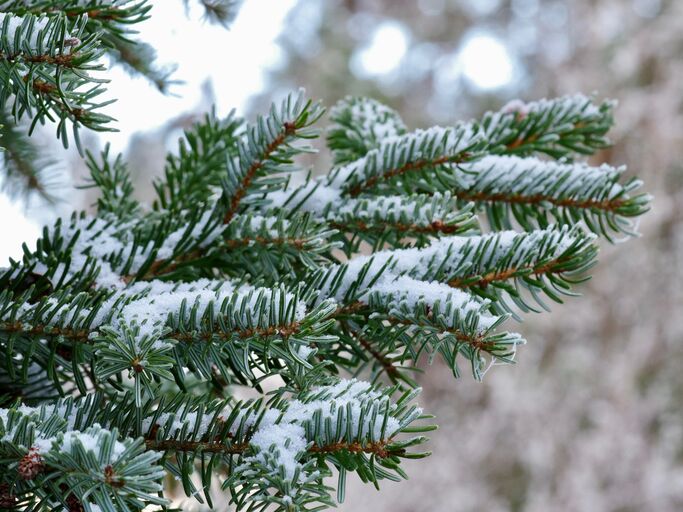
{"x":591,"y":417}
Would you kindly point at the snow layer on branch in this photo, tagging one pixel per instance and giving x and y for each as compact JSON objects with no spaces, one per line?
{"x":149,"y":305}
{"x":176,"y":422}
{"x":570,"y":103}
{"x":91,"y":442}
{"x":327,"y":203}
{"x":454,"y":254}
{"x":151,"y":311}
{"x":42,"y":443}
{"x":531,"y":176}
{"x":566,"y":107}
{"x":414,"y":211}
{"x":14,"y":22}
{"x":173,"y":423}
{"x":370,"y":118}
{"x":105,"y":240}
{"x":286,"y":432}
{"x":407,"y":292}
{"x":434,"y":142}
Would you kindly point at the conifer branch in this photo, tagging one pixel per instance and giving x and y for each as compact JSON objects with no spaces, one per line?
{"x":266,"y":150}
{"x":408,"y":155}
{"x":237,"y":277}
{"x":557,"y":127}
{"x":47,"y":75}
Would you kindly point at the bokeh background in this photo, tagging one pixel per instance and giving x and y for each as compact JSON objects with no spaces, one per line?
{"x":591,"y":416}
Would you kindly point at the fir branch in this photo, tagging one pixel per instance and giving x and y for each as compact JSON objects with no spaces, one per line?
{"x":193,"y":174}
{"x":266,"y":150}
{"x":399,"y":220}
{"x":253,"y":289}
{"x":360,"y":125}
{"x":114,"y":183}
{"x":45,"y":66}
{"x":557,"y":127}
{"x":418,"y":153}
{"x":274,"y":247}
{"x":364,"y":422}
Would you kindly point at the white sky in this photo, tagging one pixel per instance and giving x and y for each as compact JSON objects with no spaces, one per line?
{"x":235,"y":60}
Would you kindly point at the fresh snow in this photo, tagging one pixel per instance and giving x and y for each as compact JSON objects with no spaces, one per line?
{"x":286,"y":432}
{"x":532,"y":176}
{"x":14,"y":22}
{"x":373,"y":120}
{"x":437,"y":140}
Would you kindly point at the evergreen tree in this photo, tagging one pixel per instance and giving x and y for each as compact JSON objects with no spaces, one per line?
{"x":217,"y":336}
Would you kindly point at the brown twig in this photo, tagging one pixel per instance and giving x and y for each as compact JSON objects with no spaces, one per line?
{"x":378,"y":448}
{"x":288,"y":130}
{"x":606,"y":204}
{"x":410,"y":166}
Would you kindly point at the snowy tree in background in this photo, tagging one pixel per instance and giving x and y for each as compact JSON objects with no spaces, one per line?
{"x":216,"y":339}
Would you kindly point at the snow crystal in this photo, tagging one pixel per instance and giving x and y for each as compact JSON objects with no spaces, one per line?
{"x":42,"y":445}
{"x":313,"y":196}
{"x":288,"y":438}
{"x":448,"y":141}
{"x":13,"y":24}
{"x":90,"y":441}
{"x":531,"y":176}
{"x":286,"y":433}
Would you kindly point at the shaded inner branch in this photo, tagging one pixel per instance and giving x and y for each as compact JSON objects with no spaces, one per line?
{"x":378,"y":448}
{"x":381,"y":226}
{"x":161,"y":267}
{"x":386,"y":364}
{"x":83,"y":335}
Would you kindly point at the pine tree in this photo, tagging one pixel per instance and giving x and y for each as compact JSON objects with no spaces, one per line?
{"x":217,"y":337}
